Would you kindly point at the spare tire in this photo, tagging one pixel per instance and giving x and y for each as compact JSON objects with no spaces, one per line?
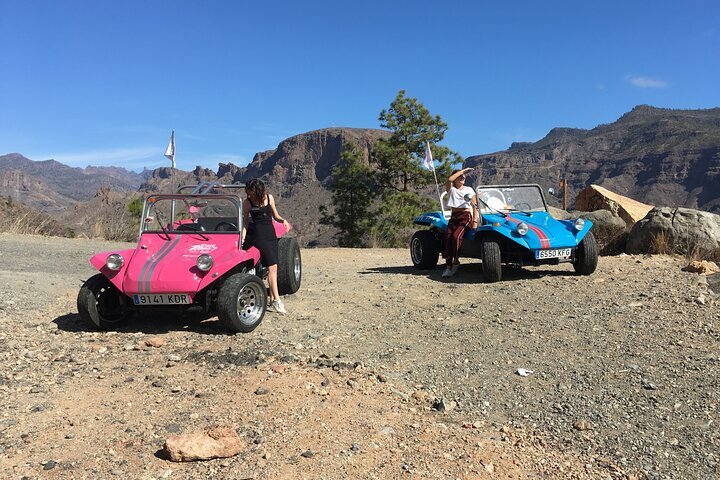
{"x":289,"y":273}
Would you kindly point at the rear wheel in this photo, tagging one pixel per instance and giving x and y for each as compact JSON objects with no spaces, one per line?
{"x":242,"y":302}
{"x":491,"y":260}
{"x":424,"y":249}
{"x":586,"y":255}
{"x":289,"y":273}
{"x":101,"y":304}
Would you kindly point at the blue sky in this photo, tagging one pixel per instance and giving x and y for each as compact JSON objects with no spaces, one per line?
{"x":103,"y":83}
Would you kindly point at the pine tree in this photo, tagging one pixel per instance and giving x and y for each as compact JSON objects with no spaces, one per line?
{"x":353,"y":193}
{"x":400,"y":174}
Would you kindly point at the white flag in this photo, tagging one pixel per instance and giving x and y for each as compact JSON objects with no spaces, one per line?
{"x":170,"y":151}
{"x":428,"y":161}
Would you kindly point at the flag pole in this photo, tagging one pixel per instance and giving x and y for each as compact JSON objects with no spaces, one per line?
{"x":437,"y":188}
{"x":430,"y":165}
{"x":170,"y":154}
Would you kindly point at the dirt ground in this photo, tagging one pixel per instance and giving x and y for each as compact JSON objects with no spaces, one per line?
{"x":377,"y":371}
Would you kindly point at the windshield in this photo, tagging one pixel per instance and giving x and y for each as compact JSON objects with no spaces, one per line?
{"x":525,"y":198}
{"x":196,"y":213}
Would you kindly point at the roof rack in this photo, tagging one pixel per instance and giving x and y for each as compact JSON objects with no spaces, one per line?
{"x":205,"y":187}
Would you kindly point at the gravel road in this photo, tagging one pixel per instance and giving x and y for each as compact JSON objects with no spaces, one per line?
{"x":624,"y":364}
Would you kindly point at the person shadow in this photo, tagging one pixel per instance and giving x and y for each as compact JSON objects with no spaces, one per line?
{"x":149,"y":323}
{"x":471,"y":273}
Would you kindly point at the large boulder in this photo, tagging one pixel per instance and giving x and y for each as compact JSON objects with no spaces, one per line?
{"x":609,"y":230}
{"x":596,"y":197}
{"x":685,"y":231}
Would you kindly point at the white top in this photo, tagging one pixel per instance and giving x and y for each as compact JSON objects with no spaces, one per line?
{"x":456,"y":198}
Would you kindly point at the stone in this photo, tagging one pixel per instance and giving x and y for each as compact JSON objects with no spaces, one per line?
{"x":444,"y":405}
{"x":702,"y":266}
{"x":582,"y":425}
{"x":684,"y":231}
{"x":596,"y":197}
{"x":218,"y":442}
{"x":610,"y":231}
{"x":280,"y":368}
{"x":155,"y":342}
{"x":713,"y":282}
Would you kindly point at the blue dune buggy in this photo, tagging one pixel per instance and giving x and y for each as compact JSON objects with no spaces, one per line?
{"x":515,"y":229}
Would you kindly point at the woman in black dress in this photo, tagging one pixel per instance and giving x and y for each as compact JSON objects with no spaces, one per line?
{"x":261,"y":207}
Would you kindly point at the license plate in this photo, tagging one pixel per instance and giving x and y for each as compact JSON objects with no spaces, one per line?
{"x":559,"y":253}
{"x":162,"y":299}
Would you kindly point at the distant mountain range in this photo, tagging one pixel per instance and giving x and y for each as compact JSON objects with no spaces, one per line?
{"x":49,"y":185}
{"x":657,"y":156}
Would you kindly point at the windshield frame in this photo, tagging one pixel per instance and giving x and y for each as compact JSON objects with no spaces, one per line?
{"x":150,"y":201}
{"x":489,"y":209}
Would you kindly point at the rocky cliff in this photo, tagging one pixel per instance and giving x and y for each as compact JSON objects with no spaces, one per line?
{"x":51,"y":186}
{"x":657,"y":156}
{"x":298,"y":173}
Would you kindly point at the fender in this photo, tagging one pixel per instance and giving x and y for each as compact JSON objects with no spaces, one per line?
{"x":227,"y":262}
{"x":115,"y":277}
{"x":579,"y":235}
{"x":432,"y":219}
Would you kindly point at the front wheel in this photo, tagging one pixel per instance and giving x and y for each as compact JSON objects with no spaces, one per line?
{"x":101,"y":304}
{"x":424,"y":249}
{"x":586,"y":255}
{"x":491,"y":260}
{"x":242,"y":302}
{"x":289,"y":266}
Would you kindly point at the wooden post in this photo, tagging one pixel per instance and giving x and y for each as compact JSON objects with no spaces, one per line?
{"x":563,"y":185}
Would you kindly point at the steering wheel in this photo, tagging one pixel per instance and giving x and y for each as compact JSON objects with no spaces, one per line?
{"x":226,"y":227}
{"x":521,"y":206}
{"x":190,"y":227}
{"x":494,"y":199}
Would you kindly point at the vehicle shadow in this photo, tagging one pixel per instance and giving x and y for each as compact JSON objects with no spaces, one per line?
{"x":470,"y":273}
{"x":151,"y":324}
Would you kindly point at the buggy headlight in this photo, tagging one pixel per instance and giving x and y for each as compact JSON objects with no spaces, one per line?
{"x":579,"y":224}
{"x":204,"y":262}
{"x":522,"y":228}
{"x":114,"y":261}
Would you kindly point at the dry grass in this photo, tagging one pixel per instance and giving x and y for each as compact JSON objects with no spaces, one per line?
{"x":18,"y":219}
{"x":660,"y":244}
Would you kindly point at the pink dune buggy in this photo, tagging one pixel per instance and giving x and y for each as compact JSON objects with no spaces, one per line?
{"x":189,"y":259}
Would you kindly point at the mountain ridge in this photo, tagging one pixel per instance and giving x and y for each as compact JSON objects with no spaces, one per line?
{"x":658,"y":156}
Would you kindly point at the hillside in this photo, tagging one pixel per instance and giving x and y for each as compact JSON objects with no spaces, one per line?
{"x":298,"y":173}
{"x":657,"y":156}
{"x":49,"y":185}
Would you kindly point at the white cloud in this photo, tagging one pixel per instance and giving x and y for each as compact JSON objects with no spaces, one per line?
{"x":646,"y":82}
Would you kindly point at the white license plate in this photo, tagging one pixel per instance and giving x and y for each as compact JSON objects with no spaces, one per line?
{"x":162,"y":299}
{"x":559,"y":253}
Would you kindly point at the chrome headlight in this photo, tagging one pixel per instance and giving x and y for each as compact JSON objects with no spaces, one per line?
{"x":205,"y":262}
{"x":114,"y":261}
{"x":579,"y":224}
{"x":522,"y":228}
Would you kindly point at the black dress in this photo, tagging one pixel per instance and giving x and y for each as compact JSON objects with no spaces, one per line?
{"x":261,"y":234}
